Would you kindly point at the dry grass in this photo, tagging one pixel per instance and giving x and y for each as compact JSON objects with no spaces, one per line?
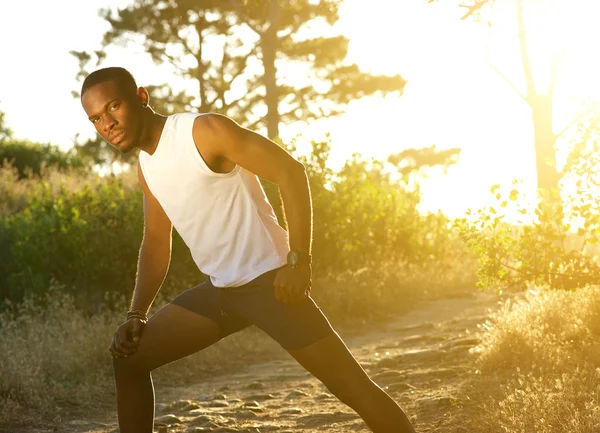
{"x":538,"y":364}
{"x":54,"y":359}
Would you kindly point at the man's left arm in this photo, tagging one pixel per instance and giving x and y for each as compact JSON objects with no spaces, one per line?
{"x":268,"y":161}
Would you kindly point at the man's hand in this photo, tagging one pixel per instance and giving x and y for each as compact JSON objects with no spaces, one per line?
{"x":293,"y":284}
{"x":127,"y":338}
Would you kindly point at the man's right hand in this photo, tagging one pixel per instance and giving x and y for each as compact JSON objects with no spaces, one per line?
{"x":127,"y":338}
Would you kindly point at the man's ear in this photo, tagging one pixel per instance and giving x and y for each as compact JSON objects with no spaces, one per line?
{"x":144,"y":96}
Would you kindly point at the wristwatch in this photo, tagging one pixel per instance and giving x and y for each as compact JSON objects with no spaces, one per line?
{"x":295,"y":258}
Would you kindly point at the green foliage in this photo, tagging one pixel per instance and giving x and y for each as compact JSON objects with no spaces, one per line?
{"x":86,"y":239}
{"x":5,"y":132}
{"x":30,"y":157}
{"x":362,"y":216}
{"x":553,"y":249}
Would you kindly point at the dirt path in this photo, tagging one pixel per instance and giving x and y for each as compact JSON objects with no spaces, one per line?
{"x":421,"y":360}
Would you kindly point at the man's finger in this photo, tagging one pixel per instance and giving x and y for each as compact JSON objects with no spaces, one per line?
{"x":124,"y":340}
{"x":285,"y":294}
{"x":122,"y":348}
{"x":277,"y":291}
{"x":136,"y":332}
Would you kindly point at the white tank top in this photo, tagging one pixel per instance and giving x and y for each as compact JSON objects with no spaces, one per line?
{"x":225,"y":219}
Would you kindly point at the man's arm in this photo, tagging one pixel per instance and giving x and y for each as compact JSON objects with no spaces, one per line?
{"x":155,"y":251}
{"x":153,"y":264}
{"x":263,"y":157}
{"x":221,"y":136}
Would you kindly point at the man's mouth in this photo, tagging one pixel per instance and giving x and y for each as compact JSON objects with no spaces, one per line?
{"x":117,"y":138}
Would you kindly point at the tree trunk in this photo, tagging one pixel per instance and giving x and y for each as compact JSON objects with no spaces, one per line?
{"x":269,"y":49}
{"x":544,"y":139}
{"x":541,"y":112}
{"x":200,"y":70}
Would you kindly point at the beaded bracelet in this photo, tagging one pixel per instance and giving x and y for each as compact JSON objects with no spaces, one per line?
{"x":137,"y":314}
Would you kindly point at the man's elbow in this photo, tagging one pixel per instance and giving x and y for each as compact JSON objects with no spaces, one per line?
{"x":292,"y":174}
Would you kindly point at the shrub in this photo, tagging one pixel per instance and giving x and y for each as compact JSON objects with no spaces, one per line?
{"x":538,"y":361}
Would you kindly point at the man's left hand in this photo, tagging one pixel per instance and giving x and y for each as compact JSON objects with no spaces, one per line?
{"x":292,"y":285}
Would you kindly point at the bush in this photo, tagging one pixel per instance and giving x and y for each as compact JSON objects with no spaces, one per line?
{"x":86,"y":240}
{"x":86,"y":235}
{"x":552,"y":249}
{"x":538,"y":361}
{"x":31,"y":158}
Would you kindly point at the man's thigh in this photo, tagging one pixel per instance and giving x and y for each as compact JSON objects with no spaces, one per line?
{"x":172,"y":333}
{"x":191,"y":322}
{"x":292,"y":325}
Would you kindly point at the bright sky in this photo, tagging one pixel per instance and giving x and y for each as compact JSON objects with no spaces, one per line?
{"x":452,"y":99}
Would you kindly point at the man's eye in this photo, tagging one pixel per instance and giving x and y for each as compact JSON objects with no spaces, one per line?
{"x":114,"y":107}
{"x":95,"y":120}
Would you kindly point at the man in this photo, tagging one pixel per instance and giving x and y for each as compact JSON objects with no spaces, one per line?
{"x":199,"y":174}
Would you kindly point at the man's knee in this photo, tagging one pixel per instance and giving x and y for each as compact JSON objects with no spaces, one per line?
{"x":133,"y":364}
{"x":351,"y":390}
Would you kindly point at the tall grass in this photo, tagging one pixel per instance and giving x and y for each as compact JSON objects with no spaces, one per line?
{"x":538,"y":363}
{"x":54,"y":358}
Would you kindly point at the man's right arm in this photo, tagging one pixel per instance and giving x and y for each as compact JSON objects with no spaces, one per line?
{"x":155,"y":251}
{"x":153,"y":264}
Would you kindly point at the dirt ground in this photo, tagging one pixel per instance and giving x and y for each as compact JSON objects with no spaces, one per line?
{"x":421,"y":359}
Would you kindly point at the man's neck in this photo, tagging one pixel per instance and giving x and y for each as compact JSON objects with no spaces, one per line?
{"x":152,"y":127}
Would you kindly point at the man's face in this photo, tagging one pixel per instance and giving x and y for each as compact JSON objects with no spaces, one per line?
{"x":117,"y":117}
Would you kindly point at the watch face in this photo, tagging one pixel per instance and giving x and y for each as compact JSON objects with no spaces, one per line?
{"x":292,"y":258}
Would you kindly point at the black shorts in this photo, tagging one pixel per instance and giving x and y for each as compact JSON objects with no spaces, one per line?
{"x":293,"y":326}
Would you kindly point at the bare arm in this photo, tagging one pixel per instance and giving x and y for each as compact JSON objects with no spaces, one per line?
{"x":153,"y":264}
{"x":268,"y":161}
{"x":155,"y":251}
{"x":221,"y":136}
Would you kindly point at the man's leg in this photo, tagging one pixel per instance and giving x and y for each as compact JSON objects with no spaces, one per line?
{"x":172,"y":333}
{"x":330,"y":361}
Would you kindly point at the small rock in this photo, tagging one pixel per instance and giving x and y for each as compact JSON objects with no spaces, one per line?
{"x":161,"y":408}
{"x":253,"y":403}
{"x":256,"y":385}
{"x":260,"y":397}
{"x":324,"y":396}
{"x":218,"y":403}
{"x":234,"y":400}
{"x":296,"y":394}
{"x":196,"y":412}
{"x":255,"y":409}
{"x":292,"y":411}
{"x":167,"y":419}
{"x":434,"y":403}
{"x":219,"y":397}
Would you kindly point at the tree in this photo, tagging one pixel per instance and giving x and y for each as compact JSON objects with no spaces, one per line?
{"x":5,"y":131}
{"x":539,"y":99}
{"x":331,"y":83}
{"x":235,"y":51}
{"x":412,"y":161}
{"x":29,"y":158}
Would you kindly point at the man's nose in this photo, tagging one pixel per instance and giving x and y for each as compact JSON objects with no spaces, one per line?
{"x":109,"y":122}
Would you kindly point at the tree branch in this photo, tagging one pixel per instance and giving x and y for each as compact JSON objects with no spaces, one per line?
{"x":471,"y":9}
{"x":570,"y":124}
{"x":527,"y":70}
{"x":509,"y":82}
